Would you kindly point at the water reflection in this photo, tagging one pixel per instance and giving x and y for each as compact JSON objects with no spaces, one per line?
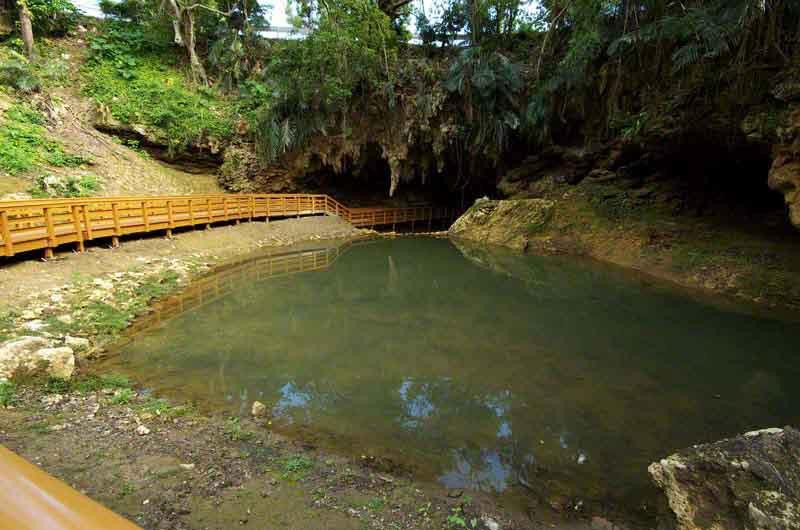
{"x":478,"y":369}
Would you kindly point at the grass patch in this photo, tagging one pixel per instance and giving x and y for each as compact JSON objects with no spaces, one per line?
{"x":141,"y":83}
{"x":24,"y":145}
{"x":93,"y":383}
{"x":160,"y":407}
{"x":296,"y":467}
{"x":8,"y":393}
{"x":7,"y":320}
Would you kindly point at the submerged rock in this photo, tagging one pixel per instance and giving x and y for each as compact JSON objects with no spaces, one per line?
{"x":510,"y":223}
{"x":748,"y":482}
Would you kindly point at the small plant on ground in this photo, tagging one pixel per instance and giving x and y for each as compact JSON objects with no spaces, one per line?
{"x":123,"y":396}
{"x":235,"y":431}
{"x":7,"y":393}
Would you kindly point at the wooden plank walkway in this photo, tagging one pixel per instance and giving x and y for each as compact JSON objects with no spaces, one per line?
{"x":49,"y":223}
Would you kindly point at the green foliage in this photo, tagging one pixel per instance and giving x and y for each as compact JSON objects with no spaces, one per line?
{"x":16,"y":72}
{"x":123,"y":396}
{"x":69,"y":186}
{"x":489,"y":84}
{"x":129,"y":73}
{"x":53,"y":17}
{"x":24,"y":144}
{"x":313,"y":82}
{"x":7,"y":393}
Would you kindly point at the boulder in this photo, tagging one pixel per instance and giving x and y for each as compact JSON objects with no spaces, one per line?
{"x":33,"y":353}
{"x":751,"y":481}
{"x":19,"y":352}
{"x":509,"y":223}
{"x":60,"y":361}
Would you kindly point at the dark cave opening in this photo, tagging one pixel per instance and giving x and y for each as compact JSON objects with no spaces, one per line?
{"x":705,"y":178}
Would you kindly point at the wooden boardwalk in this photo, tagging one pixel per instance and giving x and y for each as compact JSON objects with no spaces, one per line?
{"x":49,"y":223}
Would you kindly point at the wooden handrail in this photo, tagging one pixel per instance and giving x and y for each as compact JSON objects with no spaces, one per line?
{"x":48,"y":223}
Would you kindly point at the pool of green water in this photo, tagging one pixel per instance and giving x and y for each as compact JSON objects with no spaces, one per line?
{"x":549,"y":377}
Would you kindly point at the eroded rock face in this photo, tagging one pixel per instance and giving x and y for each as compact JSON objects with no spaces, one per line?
{"x":748,"y":482}
{"x":784,"y":176}
{"x":510,"y":223}
{"x":33,"y":353}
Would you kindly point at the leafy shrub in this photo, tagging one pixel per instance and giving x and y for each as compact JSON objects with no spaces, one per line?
{"x":53,"y":17}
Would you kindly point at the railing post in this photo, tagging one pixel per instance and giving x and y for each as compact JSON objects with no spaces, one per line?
{"x":269,"y":199}
{"x":170,"y":219}
{"x":252,"y":208}
{"x":51,"y":233}
{"x":76,"y":222}
{"x":117,"y":226}
{"x":7,"y":243}
{"x":87,"y":221}
{"x":209,"y":217}
{"x":145,"y":216}
{"x":430,"y":218}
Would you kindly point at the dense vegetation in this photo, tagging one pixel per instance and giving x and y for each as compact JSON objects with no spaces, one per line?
{"x":484,"y":77}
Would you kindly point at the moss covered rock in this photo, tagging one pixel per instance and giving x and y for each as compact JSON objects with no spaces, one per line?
{"x":511,"y":223}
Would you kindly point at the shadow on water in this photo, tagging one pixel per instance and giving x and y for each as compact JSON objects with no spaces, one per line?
{"x":544,"y":378}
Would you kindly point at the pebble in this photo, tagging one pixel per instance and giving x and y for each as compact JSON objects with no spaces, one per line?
{"x":187,"y":467}
{"x":141,"y":430}
{"x":258,"y":409}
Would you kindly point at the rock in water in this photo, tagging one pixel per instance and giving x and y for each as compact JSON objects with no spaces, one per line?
{"x":259,"y":409}
{"x":751,"y":481}
{"x":511,"y":223}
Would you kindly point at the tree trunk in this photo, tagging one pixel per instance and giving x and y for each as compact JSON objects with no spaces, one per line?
{"x":198,"y":72}
{"x":26,"y":27}
{"x":183,"y":27}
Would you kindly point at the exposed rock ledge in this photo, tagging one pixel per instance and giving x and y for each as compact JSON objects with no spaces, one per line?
{"x":751,"y":481}
{"x":510,"y":223}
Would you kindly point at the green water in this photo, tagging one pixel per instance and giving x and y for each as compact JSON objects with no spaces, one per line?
{"x":547,"y":377}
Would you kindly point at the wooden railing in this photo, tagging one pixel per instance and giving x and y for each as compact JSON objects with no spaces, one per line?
{"x":48,"y":223}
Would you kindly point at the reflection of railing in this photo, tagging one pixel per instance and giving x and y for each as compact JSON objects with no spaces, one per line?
{"x":48,"y":223}
{"x":224,"y":280}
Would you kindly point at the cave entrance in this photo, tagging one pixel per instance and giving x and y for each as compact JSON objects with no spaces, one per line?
{"x":366,"y":182}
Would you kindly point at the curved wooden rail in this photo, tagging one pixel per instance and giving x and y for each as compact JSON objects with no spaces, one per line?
{"x":48,"y":223}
